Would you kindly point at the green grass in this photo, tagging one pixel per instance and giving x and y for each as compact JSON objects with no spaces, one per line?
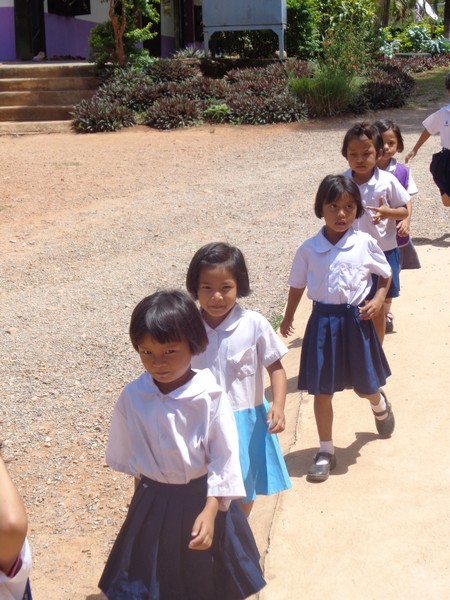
{"x":429,"y":88}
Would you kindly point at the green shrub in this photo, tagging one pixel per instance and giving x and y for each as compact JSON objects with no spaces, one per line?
{"x":388,"y":87}
{"x":171,"y":69}
{"x":130,"y":87}
{"x":217,"y":113}
{"x":328,"y":93}
{"x":261,"y":110}
{"x":101,"y":114}
{"x":302,"y":31}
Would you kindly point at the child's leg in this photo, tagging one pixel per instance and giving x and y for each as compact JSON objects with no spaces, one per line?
{"x":446,"y":200}
{"x":247,"y":507}
{"x":324,"y":460}
{"x":379,"y":322}
{"x":388,"y":317}
{"x":382,"y":410}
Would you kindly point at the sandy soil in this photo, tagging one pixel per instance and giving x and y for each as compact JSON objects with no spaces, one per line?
{"x":89,"y":225}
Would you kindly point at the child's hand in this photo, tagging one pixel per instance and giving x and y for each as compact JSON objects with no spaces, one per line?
{"x":403,"y":227}
{"x":275,"y":420}
{"x":202,"y":532}
{"x":380,"y":211}
{"x":370,"y":309}
{"x":286,"y":327}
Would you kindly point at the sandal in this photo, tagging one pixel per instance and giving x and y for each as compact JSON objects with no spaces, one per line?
{"x":385,"y":427}
{"x":389,"y":323}
{"x":321,"y":472}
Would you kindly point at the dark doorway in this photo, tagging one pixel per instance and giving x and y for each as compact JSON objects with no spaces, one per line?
{"x":29,"y":28}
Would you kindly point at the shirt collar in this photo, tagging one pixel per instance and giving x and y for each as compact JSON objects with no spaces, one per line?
{"x":230,"y":322}
{"x":346,"y":242}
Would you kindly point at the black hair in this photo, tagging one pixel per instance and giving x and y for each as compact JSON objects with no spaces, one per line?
{"x":168,"y":316}
{"x":333,"y":187}
{"x":218,"y":254}
{"x":363,"y":130}
{"x":447,"y":82}
{"x":384,"y":125}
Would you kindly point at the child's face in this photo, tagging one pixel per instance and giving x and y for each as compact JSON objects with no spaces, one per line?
{"x":217,"y":293}
{"x":390,"y":144}
{"x":168,"y":364}
{"x":362,"y":159}
{"x":339,"y":216}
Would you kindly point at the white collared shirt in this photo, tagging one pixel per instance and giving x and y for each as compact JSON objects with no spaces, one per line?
{"x":13,"y":588}
{"x":177,"y":437}
{"x":381,"y":186}
{"x":338,"y":273}
{"x":239,"y":350}
{"x":412,"y":187}
{"x":439,"y":123}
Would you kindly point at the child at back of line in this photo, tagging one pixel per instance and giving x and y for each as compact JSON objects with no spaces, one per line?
{"x":173,"y":430}
{"x":384,"y":201}
{"x":15,"y":555}
{"x":241,"y":344}
{"x":438,"y":123}
{"x":340,"y":348}
{"x":393,"y":143}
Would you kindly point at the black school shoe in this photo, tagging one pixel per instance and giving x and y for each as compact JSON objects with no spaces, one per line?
{"x":385,"y":427}
{"x":321,"y":472}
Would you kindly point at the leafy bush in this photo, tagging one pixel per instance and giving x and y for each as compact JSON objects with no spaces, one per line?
{"x":101,"y":114}
{"x":328,"y":93}
{"x":171,"y":69}
{"x":260,"y":110}
{"x":129,"y":87}
{"x":170,"y":113}
{"x":217,"y":113}
{"x":302,"y":31}
{"x":388,"y":87}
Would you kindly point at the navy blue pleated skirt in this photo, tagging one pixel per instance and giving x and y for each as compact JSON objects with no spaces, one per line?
{"x":440,"y":170}
{"x":151,"y":560}
{"x":339,"y":351}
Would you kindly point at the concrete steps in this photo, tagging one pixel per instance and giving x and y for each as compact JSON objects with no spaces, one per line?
{"x":43,"y":91}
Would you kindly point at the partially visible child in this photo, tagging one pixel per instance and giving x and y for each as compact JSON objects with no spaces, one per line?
{"x":15,"y":555}
{"x":340,"y":348}
{"x":173,"y":430}
{"x":438,"y":123}
{"x":384,"y":200}
{"x":393,"y":143}
{"x":242,"y":345}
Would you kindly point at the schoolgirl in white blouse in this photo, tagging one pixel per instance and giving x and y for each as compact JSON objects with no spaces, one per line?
{"x":173,"y":430}
{"x":242,"y":345}
{"x":340,"y":348}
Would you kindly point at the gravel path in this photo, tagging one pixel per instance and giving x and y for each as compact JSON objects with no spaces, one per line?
{"x":91,"y":224}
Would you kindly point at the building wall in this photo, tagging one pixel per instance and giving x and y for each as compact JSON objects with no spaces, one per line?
{"x":7,"y":36}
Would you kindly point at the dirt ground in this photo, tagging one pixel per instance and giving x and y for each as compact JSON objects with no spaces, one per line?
{"x":78,"y":213}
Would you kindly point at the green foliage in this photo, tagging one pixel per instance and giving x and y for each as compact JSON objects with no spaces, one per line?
{"x":171,"y":69}
{"x":217,"y":113}
{"x":388,"y":87}
{"x":130,"y":87}
{"x":246,"y":44}
{"x":101,"y":114}
{"x":417,"y":38}
{"x":328,"y":93}
{"x":302,"y":31}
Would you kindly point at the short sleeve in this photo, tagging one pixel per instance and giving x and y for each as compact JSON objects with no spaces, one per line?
{"x":13,"y":588}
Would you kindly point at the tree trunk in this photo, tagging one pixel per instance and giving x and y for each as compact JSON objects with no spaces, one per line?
{"x":447,"y":19}
{"x":118,"y":25}
{"x":383,"y":12}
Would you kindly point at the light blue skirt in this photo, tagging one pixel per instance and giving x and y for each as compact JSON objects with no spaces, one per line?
{"x":263,"y":468}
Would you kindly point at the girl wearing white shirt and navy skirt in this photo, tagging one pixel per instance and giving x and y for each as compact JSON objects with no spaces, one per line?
{"x":173,"y":430}
{"x":340,"y":348}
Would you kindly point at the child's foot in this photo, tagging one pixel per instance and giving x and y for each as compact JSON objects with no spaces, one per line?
{"x":384,"y":420}
{"x":389,"y":323}
{"x":324,"y":462}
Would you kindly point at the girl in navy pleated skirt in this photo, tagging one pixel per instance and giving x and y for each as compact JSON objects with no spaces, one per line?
{"x":185,"y":536}
{"x":340,"y":348}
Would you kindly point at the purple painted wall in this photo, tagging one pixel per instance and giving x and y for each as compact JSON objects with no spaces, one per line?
{"x":7,"y":35}
{"x":67,"y":36}
{"x":167,"y":46}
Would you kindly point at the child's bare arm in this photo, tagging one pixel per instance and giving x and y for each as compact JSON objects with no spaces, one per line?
{"x":203,"y":528}
{"x":294,"y":297}
{"x":373,"y":306}
{"x":275,"y":417}
{"x":13,"y":520}
{"x":422,"y":139}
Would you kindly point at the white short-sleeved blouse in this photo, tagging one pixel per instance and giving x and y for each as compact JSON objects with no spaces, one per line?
{"x":439,"y":123}
{"x":239,"y":350}
{"x":338,"y":273}
{"x":177,"y":437}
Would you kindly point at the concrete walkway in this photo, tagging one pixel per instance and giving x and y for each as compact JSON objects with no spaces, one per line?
{"x":379,"y":528}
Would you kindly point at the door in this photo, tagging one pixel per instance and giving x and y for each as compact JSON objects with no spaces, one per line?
{"x":29,"y":28}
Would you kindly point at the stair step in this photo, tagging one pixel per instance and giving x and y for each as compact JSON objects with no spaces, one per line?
{"x":35,"y":113}
{"x":36,"y":70}
{"x":48,"y":83}
{"x":52,"y":98}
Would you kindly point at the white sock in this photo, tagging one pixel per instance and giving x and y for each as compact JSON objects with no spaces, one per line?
{"x":379,"y":408}
{"x":325,"y":447}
